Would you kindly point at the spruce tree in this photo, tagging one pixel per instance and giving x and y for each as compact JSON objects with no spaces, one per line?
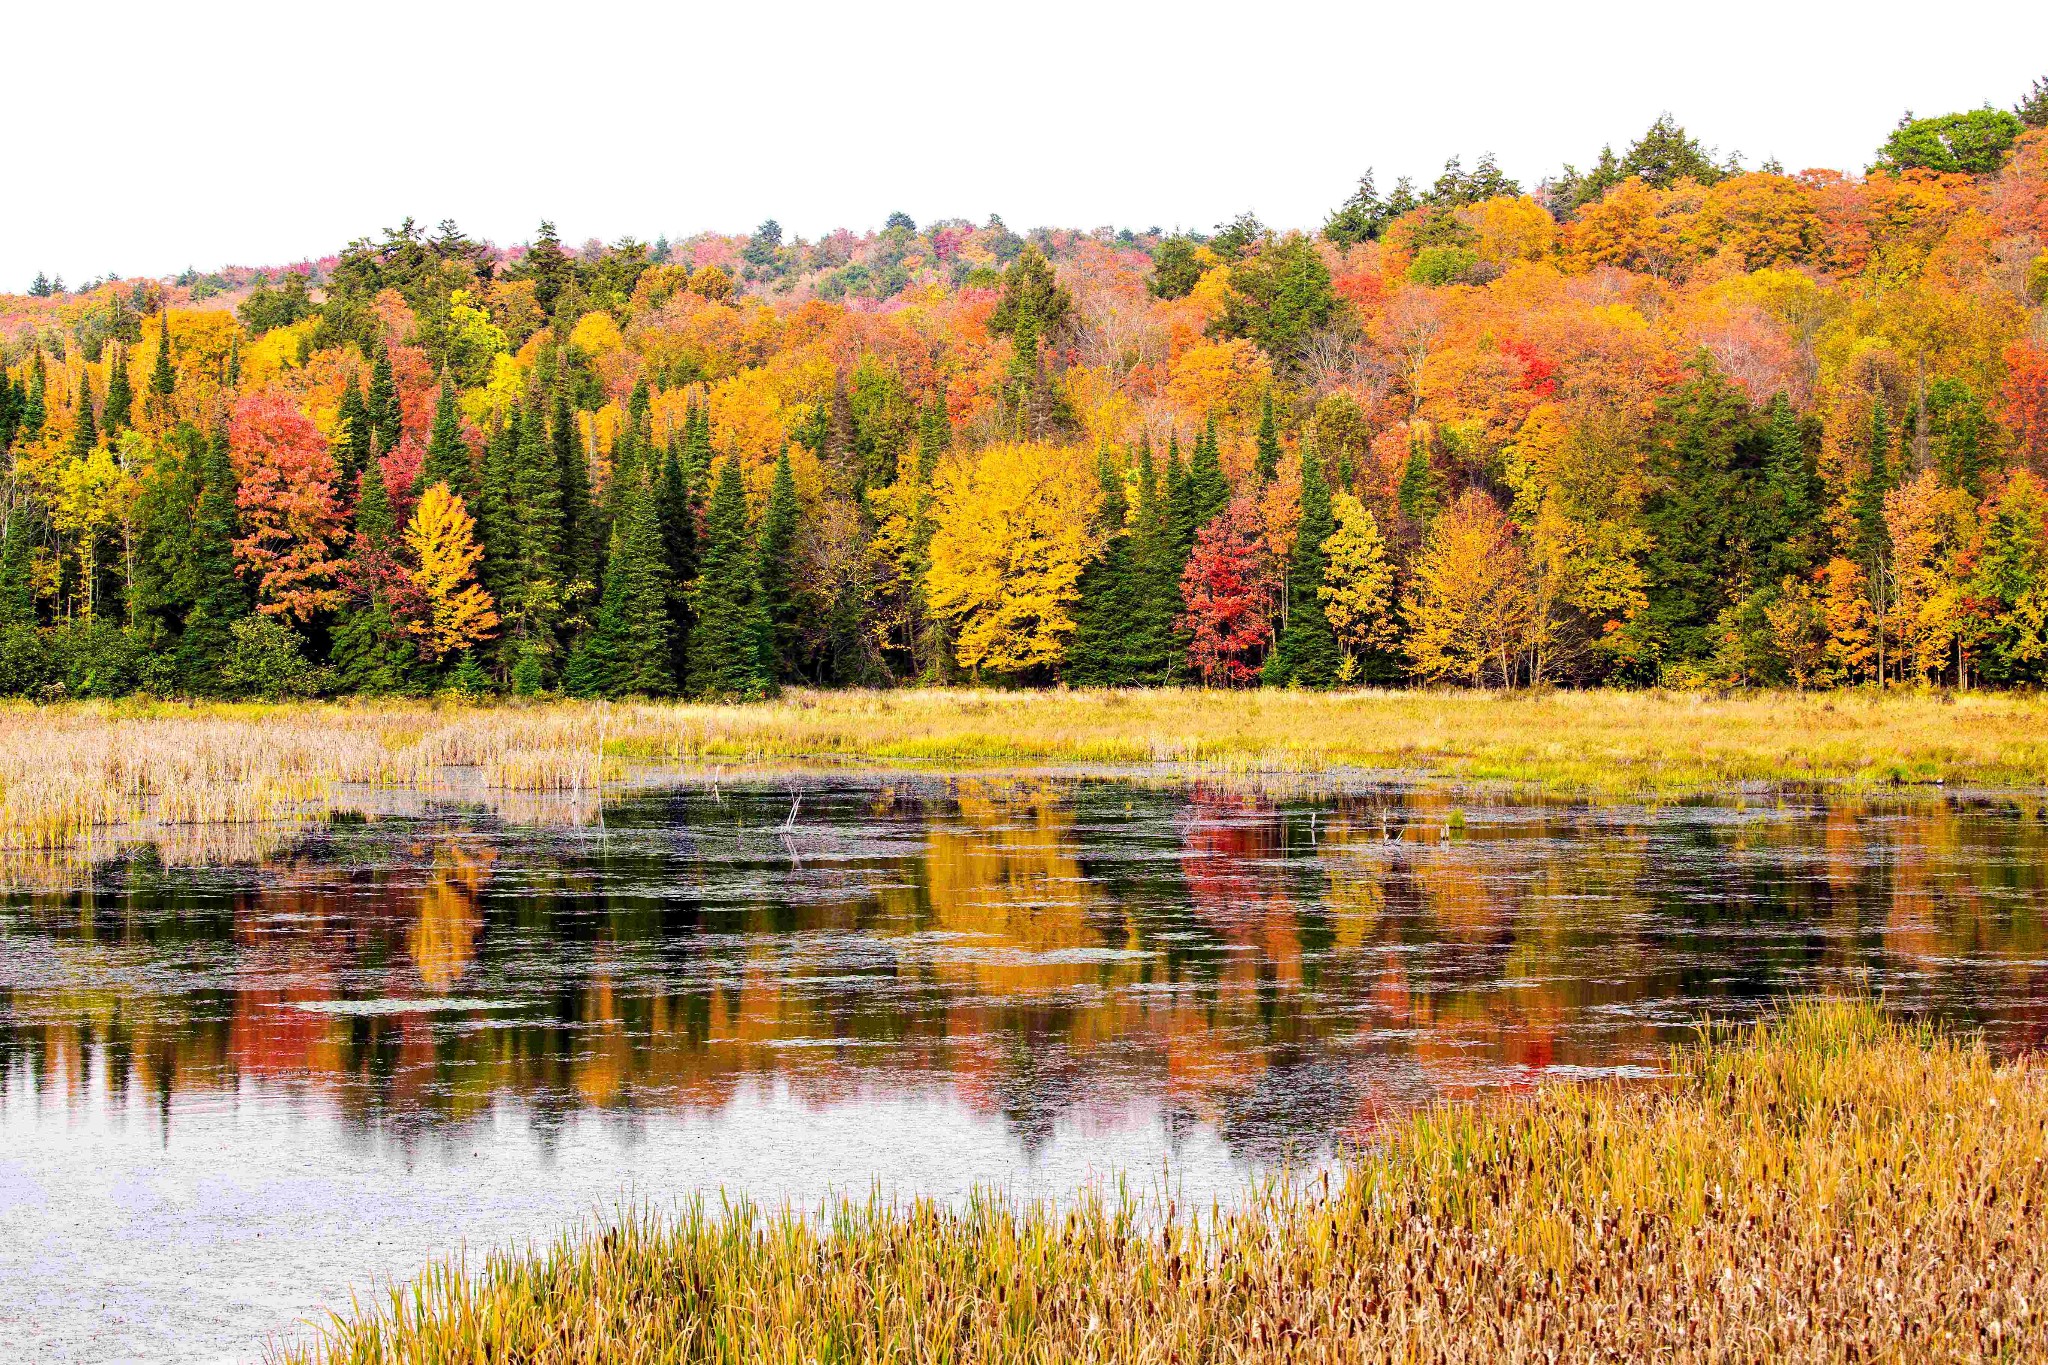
{"x":36,"y":410}
{"x":532,"y":526}
{"x":1267,"y":465}
{"x":385,"y":414}
{"x":1306,"y":653}
{"x":17,"y":565}
{"x":579,"y":555}
{"x":1208,"y":490}
{"x":447,"y":459}
{"x":119,"y":412}
{"x":85,"y":435}
{"x":678,"y":516}
{"x":1420,"y":492}
{"x":773,"y":571}
{"x":369,"y":653}
{"x":351,"y":433}
{"x":496,"y":527}
{"x":219,"y":597}
{"x":163,"y":382}
{"x":626,"y":652}
{"x":725,"y":653}
{"x":1790,"y":495}
{"x":1101,"y":652}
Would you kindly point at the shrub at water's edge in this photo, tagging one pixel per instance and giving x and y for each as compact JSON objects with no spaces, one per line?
{"x":1828,"y":1186}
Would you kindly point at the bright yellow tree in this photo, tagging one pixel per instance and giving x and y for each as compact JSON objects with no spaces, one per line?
{"x":1472,"y":609}
{"x":1012,"y":538}
{"x":442,"y":535}
{"x":1357,"y":590}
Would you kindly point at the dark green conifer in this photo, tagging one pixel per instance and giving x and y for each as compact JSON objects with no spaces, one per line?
{"x":447,"y":458}
{"x":1420,"y":492}
{"x":627,"y":650}
{"x":163,"y":382}
{"x":219,"y":597}
{"x":1306,"y":653}
{"x":496,"y":522}
{"x":725,"y":653}
{"x":1873,"y":538}
{"x":1208,"y":489}
{"x":85,"y":435}
{"x":1791,"y":496}
{"x":1106,"y":648}
{"x":579,"y":555}
{"x":119,"y":411}
{"x":678,"y":516}
{"x":352,"y":436}
{"x":17,"y":568}
{"x":386,"y":418}
{"x":777,"y":544}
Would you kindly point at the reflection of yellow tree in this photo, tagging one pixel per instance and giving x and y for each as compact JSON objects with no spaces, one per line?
{"x":443,"y":938}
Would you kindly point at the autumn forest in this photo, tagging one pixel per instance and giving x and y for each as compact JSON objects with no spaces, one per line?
{"x":1659,"y":419}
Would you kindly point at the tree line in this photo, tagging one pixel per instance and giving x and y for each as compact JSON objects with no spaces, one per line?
{"x":1664,"y":421}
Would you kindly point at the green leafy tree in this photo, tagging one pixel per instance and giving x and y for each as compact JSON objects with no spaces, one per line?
{"x":1176,"y":267}
{"x":1974,"y":143}
{"x":1279,"y":297}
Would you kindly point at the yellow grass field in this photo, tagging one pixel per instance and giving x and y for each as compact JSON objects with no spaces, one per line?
{"x":69,"y":772}
{"x":1830,"y":1187}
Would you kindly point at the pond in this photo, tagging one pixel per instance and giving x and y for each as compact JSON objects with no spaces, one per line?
{"x":238,"y":1084}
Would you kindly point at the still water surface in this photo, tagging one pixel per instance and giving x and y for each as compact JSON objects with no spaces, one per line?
{"x":232,"y":1094}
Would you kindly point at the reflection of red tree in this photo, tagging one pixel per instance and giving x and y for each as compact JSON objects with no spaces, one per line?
{"x":271,"y":1039}
{"x":1230,"y":847}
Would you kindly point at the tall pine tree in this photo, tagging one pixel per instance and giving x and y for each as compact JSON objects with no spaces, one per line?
{"x":627,"y":650}
{"x":774,"y":572}
{"x":725,"y":653}
{"x":678,"y":515}
{"x":386,"y":418}
{"x":1106,"y":649}
{"x":1306,"y":653}
{"x":1267,"y":465}
{"x":120,"y":406}
{"x":447,"y":459}
{"x":219,"y":597}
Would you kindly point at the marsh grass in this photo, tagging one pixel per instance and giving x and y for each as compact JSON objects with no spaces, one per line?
{"x":1829,"y":1186}
{"x":67,"y":772}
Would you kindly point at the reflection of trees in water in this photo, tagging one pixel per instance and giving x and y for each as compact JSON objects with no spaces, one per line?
{"x":1276,"y":968}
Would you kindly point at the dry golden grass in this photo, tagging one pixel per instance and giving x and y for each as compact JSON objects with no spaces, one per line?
{"x":67,"y":772}
{"x":1830,"y":1187}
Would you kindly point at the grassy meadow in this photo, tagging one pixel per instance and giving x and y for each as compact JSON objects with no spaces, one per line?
{"x":1831,"y":1186}
{"x":69,"y":773}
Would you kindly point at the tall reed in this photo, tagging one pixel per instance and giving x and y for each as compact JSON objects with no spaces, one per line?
{"x":1828,"y":1187}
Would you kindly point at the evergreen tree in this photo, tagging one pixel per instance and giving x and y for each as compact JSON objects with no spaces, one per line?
{"x":1306,"y":654}
{"x":36,"y":410}
{"x":725,"y":655}
{"x":1268,"y":463}
{"x":219,"y":597}
{"x":119,"y":412}
{"x":579,"y":554}
{"x":777,"y":544}
{"x":532,"y":518}
{"x":496,"y":528}
{"x":17,"y":568}
{"x":370,"y":653}
{"x":678,"y":515}
{"x":447,"y":459}
{"x":1208,"y":490}
{"x":1694,"y":562}
{"x":627,"y":650}
{"x":1790,"y":501}
{"x":352,"y":436}
{"x":385,"y":414}
{"x":1104,"y":650}
{"x":1420,"y":492}
{"x":163,"y":382}
{"x":86,"y":434}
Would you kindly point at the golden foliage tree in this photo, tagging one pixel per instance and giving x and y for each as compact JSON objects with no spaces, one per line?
{"x":1013,"y":534}
{"x":1357,"y":590}
{"x":1472,"y":606}
{"x":442,"y":536}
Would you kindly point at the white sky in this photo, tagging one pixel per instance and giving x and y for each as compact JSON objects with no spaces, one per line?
{"x":212,"y":132}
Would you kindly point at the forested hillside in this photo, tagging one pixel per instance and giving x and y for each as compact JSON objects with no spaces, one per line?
{"x":1659,"y":419}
